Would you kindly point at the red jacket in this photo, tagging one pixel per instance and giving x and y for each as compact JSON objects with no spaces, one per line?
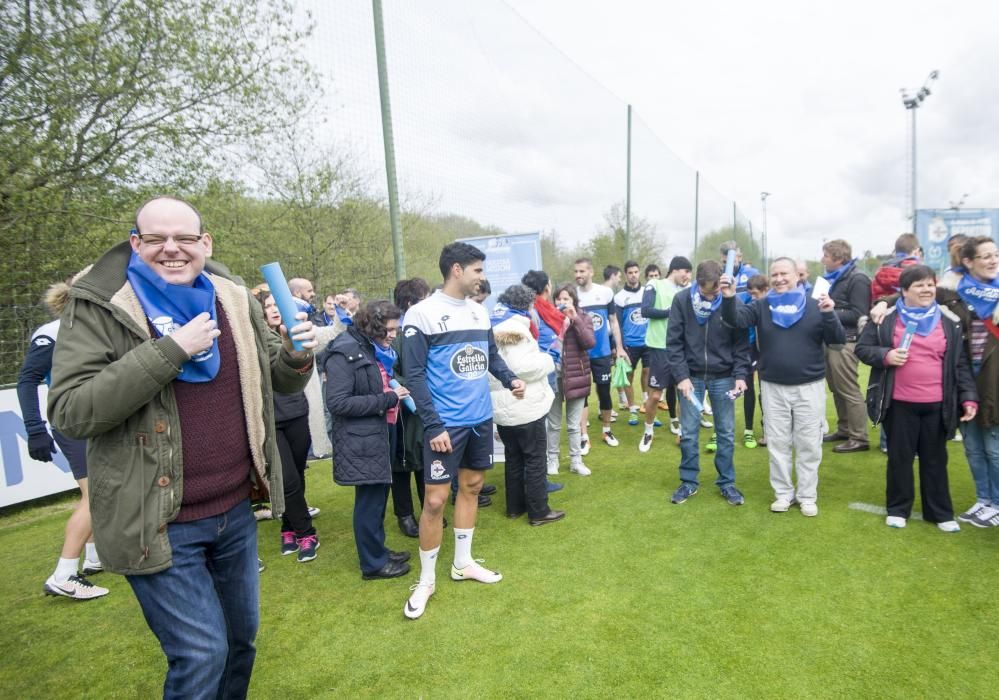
{"x":578,"y":340}
{"x":885,"y":282}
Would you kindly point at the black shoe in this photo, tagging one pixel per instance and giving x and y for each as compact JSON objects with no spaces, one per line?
{"x":514,"y":516}
{"x":484,"y":501}
{"x":835,"y":437}
{"x":409,"y":526}
{"x":852,"y":446}
{"x":398,"y":556}
{"x":551,"y":517}
{"x":392,"y":569}
{"x":487,"y":490}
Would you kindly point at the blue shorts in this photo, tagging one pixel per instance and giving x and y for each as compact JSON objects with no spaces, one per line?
{"x":75,"y":452}
{"x":471,"y":448}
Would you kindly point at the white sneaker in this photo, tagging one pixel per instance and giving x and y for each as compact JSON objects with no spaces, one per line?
{"x":91,"y":567}
{"x":986,"y":517}
{"x":584,"y":446}
{"x":553,"y":466}
{"x":609,"y":439}
{"x":613,"y":417}
{"x":314,"y":512}
{"x":417,"y":602}
{"x":894,"y":521}
{"x":707,"y":407}
{"x":674,"y":426}
{"x":969,"y":515}
{"x":580,"y":468}
{"x":809,"y":510}
{"x":76,"y":587}
{"x":646,"y":443}
{"x":475,"y":572}
{"x":705,"y":423}
{"x":949,"y":526}
{"x":781,"y":505}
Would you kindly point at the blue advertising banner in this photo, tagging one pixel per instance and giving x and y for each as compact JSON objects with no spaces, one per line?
{"x":508,"y":258}
{"x":935,"y":226}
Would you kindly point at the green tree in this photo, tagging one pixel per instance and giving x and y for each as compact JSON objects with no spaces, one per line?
{"x":709,"y":247}
{"x":607,"y":247}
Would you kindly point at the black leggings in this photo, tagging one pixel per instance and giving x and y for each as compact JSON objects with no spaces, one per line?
{"x":749,"y":401}
{"x":604,"y":395}
{"x":671,"y":399}
{"x":293,"y":447}
{"x":402,"y":494}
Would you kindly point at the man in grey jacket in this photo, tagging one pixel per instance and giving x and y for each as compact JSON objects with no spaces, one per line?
{"x":166,"y":366}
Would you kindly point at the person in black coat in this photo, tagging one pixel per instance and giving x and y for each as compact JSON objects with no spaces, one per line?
{"x":359,"y":367}
{"x":921,"y":385}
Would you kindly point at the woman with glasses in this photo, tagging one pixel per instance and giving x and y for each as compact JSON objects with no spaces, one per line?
{"x":973,"y":296}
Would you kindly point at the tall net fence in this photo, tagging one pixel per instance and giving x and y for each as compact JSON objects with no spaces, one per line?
{"x":495,"y":131}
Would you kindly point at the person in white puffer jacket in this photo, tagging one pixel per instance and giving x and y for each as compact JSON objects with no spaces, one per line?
{"x":521,"y":423}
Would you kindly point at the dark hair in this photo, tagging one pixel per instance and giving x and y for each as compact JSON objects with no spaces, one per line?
{"x":371,"y":318}
{"x":485,"y":287}
{"x":569,"y":289}
{"x":970,"y":247}
{"x":518,"y":297}
{"x":915,"y":273}
{"x":907,"y":243}
{"x":610,"y":271}
{"x":955,"y":250}
{"x":757,"y":283}
{"x":408,"y":292}
{"x":584,"y":261}
{"x":536,"y":280}
{"x":708,"y":273}
{"x":462,"y":253}
{"x":630,"y":264}
{"x":651,"y":267}
{"x":678,"y":263}
{"x":135,"y":225}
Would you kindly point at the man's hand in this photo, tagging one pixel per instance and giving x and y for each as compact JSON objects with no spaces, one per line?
{"x":341,"y":300}
{"x":740,"y":386}
{"x":517,"y":388}
{"x":197,"y":335}
{"x":826,"y":303}
{"x":441,"y":443}
{"x":400,"y":391}
{"x":686,"y":387}
{"x":303,"y":332}
{"x":41,"y":447}
{"x":970,"y":411}
{"x":622,"y":354}
{"x":878,"y":313}
{"x":896,"y":357}
{"x":727,"y":286}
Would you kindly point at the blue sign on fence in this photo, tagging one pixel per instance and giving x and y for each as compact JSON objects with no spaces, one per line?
{"x":508,"y":258}
{"x":935,"y":227}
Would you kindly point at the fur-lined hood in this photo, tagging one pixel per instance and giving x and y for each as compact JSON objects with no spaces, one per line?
{"x":513,"y":331}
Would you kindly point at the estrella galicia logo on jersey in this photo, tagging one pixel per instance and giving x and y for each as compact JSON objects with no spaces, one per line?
{"x":469,"y":363}
{"x":636,"y":318}
{"x":598,"y":321}
{"x":437,"y":470}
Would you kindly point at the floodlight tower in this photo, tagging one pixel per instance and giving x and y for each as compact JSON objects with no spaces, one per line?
{"x":912,"y":101}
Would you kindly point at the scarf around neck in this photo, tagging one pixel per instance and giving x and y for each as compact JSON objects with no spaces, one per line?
{"x":787,"y":309}
{"x":837,"y":274}
{"x":703,"y":308}
{"x":980,"y":296}
{"x":926,"y":319}
{"x":170,"y":306}
{"x":386,"y":357}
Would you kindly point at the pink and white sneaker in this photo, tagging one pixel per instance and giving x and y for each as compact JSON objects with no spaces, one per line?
{"x":417,"y":602}
{"x":475,"y":572}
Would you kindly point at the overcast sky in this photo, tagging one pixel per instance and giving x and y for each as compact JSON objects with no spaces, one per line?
{"x":801,"y":99}
{"x":513,"y":113}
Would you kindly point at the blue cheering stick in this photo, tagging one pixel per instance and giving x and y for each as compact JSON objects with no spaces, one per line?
{"x":910,"y":330}
{"x":696,"y":401}
{"x":730,"y":265}
{"x":282,"y":297}
{"x":407,"y":400}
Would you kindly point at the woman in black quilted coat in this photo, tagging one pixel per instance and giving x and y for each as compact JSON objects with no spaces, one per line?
{"x":359,"y":368}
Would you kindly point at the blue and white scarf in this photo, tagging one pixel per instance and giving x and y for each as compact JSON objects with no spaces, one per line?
{"x":502,"y":312}
{"x":703,"y":308}
{"x":170,"y":306}
{"x":787,"y":309}
{"x":926,"y":319}
{"x":980,"y":296}
{"x":838,"y":273}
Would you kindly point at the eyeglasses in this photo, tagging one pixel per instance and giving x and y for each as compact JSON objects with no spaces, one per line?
{"x":155,"y":240}
{"x":987,"y":257}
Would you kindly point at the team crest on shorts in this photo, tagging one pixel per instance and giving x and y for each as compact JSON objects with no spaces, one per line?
{"x":437,"y":470}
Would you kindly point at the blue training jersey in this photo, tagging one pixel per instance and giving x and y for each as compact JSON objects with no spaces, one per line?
{"x":448,"y":349}
{"x":598,"y":302}
{"x":629,"y":313}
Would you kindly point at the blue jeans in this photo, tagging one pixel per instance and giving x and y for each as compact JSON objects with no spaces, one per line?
{"x":205,"y":609}
{"x":690,"y":424}
{"x":981,"y":447}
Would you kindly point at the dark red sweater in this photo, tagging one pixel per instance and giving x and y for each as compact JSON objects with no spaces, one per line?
{"x":216,"y":447}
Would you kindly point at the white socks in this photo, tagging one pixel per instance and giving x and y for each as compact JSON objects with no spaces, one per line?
{"x":606,"y":430}
{"x":91,"y":555}
{"x":65,"y":568}
{"x":428,"y":566}
{"x":463,"y":547}
{"x":648,"y":428}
